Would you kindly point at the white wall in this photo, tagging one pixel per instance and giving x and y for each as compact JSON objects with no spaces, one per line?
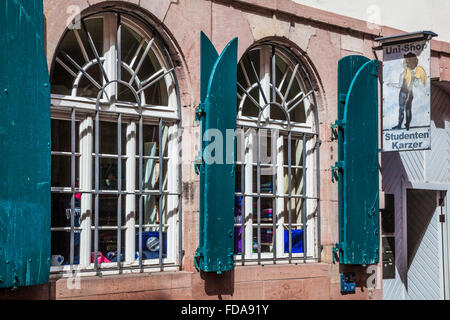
{"x":416,"y":170}
{"x":407,"y":15}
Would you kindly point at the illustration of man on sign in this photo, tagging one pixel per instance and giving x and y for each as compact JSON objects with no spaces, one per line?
{"x":412,"y":76}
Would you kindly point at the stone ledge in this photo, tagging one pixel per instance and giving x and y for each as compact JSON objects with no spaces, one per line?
{"x":115,"y":284}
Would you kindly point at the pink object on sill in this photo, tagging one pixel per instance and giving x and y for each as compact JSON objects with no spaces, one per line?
{"x":100,"y":258}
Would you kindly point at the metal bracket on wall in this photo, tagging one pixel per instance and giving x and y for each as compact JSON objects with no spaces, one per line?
{"x":335,"y":129}
{"x":198,"y":163}
{"x":338,"y":166}
{"x":199,"y":113}
{"x":336,"y":252}
{"x":334,"y":133}
{"x":348,"y":284}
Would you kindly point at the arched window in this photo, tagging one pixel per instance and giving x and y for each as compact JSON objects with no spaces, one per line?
{"x":115,"y":169}
{"x":277,"y":166}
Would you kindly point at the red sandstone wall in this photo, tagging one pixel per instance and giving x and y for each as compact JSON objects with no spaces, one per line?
{"x":288,"y":282}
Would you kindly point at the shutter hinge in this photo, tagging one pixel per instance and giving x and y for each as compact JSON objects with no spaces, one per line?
{"x":198,"y":163}
{"x":334,"y":133}
{"x":339,"y":124}
{"x":198,"y":256}
{"x":336,"y":252}
{"x":442,"y":218}
{"x":199,"y":112}
{"x":338,"y":166}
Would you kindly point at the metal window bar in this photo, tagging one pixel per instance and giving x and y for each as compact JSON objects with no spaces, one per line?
{"x":72,"y":178}
{"x":96,"y":184}
{"x":290,"y":194}
{"x":243,"y":199}
{"x":180,"y":202}
{"x":318,"y":143}
{"x":258,"y":189}
{"x":274,"y":158}
{"x":141,"y":195}
{"x":119,"y":187}
{"x":96,"y":187}
{"x":160,"y":199}
{"x":94,"y":50}
{"x":304,"y":200}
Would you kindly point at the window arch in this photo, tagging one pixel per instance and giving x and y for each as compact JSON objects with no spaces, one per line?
{"x":115,"y":147}
{"x":277,"y":187}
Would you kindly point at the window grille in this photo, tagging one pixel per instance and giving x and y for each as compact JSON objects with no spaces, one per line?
{"x":277,"y":169}
{"x":116,"y":174}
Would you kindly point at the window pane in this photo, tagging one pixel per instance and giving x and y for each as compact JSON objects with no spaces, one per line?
{"x":108,"y":210}
{"x":296,"y":181}
{"x":124,"y":92}
{"x":61,"y":217}
{"x":151,"y":167}
{"x":62,"y":80}
{"x":107,"y":174}
{"x":296,"y":151}
{"x":266,"y":239}
{"x":108,"y":138}
{"x":266,"y":217}
{"x":95,"y":28}
{"x":60,"y":251}
{"x":249,"y":108}
{"x":296,"y":212}
{"x":61,"y":171}
{"x":130,"y":43}
{"x":156,"y":94}
{"x":284,"y":74}
{"x":266,"y":180}
{"x":107,"y":246}
{"x":61,"y":135}
{"x":61,"y":205}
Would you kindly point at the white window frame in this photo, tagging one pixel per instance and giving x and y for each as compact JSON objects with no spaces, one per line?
{"x":248,"y":144}
{"x":74,"y":108}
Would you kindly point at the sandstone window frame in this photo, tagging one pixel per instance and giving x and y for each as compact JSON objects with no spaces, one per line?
{"x":85,"y":113}
{"x":257,"y":74}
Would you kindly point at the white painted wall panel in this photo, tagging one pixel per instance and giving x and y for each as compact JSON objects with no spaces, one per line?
{"x":401,"y":170}
{"x":424,"y":271}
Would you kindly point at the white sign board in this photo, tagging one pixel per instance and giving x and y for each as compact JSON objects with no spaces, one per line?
{"x":406,"y":97}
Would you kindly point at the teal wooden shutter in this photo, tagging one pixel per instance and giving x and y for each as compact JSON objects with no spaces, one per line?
{"x":217,"y":111}
{"x":24,"y":146}
{"x":358,"y":161}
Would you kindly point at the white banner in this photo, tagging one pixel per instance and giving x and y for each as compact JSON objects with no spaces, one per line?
{"x":406,"y":97}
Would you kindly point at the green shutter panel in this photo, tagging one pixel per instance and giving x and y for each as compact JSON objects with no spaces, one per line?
{"x":24,"y":146}
{"x":217,"y":114}
{"x":358,"y":161}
